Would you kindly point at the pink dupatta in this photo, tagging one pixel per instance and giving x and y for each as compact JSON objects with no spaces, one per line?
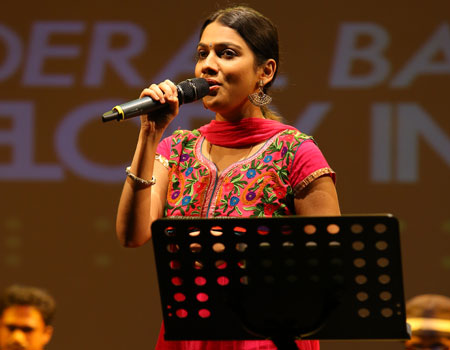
{"x":243,"y":133}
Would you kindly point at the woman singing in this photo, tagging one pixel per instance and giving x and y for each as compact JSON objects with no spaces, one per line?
{"x":244,"y":163}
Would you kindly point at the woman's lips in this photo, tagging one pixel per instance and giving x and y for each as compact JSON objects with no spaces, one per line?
{"x":212,"y":82}
{"x":214,"y":85}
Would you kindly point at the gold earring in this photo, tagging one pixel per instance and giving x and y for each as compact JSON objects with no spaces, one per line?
{"x":260,"y":98}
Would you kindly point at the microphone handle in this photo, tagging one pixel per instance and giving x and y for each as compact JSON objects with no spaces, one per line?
{"x":141,"y":106}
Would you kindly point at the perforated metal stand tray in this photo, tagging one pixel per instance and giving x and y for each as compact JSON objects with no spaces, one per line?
{"x":290,"y":277}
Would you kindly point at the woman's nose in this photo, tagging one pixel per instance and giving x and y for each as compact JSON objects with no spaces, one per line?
{"x":209,"y":64}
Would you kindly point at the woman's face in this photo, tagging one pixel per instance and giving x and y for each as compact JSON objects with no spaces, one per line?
{"x":226,"y":61}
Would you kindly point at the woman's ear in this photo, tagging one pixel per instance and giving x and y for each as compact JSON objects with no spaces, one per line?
{"x":268,"y":70}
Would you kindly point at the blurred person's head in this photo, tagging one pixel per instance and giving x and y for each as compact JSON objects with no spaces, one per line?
{"x":26,"y":314}
{"x":429,"y":318}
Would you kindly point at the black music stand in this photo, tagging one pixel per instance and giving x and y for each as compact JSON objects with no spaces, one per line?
{"x":281,"y":278}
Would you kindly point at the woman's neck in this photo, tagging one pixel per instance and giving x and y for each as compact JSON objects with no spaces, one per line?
{"x":247,"y":111}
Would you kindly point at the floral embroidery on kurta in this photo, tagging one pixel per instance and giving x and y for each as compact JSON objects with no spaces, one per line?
{"x":254,"y":187}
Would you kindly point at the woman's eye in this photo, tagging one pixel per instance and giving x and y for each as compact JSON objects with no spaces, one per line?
{"x":228,"y":53}
{"x":201,"y":54}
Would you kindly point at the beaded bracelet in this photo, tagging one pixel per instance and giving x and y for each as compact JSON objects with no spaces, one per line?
{"x":138,"y":179}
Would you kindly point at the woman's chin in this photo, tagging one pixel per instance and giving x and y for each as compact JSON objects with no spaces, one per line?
{"x":210,"y":102}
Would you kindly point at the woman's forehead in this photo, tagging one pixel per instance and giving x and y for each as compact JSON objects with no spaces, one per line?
{"x":217,"y":33}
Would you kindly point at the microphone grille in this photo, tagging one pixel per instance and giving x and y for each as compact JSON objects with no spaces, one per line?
{"x":193,"y":89}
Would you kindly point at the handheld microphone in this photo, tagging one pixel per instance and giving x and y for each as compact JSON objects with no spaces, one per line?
{"x":189,"y":90}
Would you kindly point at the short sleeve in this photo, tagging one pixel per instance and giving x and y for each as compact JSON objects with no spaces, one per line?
{"x":309,"y":164}
{"x":163,"y":151}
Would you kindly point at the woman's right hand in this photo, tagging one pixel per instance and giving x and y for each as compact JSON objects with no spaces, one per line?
{"x":166,"y":93}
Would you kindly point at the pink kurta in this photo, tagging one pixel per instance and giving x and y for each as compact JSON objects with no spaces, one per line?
{"x":262,"y":185}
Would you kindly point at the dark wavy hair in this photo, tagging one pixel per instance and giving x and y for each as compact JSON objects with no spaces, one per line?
{"x":29,"y":296}
{"x":259,"y":33}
